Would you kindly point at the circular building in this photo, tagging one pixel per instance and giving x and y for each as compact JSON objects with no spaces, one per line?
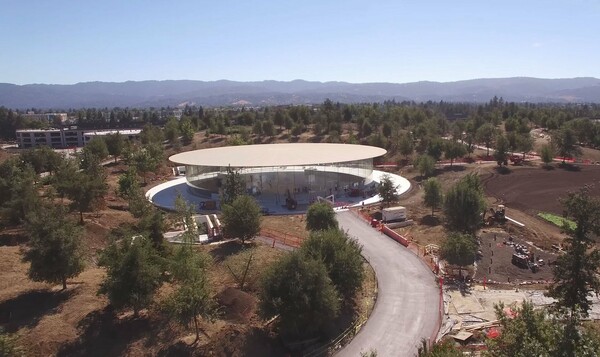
{"x":284,"y":176}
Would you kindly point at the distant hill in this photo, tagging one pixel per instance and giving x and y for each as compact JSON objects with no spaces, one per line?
{"x":223,"y":92}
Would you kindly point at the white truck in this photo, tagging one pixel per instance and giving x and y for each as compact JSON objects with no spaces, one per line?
{"x":393,"y":214}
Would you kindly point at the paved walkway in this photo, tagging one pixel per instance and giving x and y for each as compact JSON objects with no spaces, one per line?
{"x":408,"y":298}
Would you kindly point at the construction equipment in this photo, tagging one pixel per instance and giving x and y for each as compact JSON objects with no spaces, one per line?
{"x":516,"y":159}
{"x":497,"y":215}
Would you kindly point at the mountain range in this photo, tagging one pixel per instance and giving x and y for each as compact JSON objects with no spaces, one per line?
{"x":231,"y":93}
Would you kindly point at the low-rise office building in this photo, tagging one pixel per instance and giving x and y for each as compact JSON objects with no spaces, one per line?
{"x":66,"y":137}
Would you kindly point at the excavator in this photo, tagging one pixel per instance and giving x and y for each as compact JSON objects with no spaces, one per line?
{"x":497,"y":215}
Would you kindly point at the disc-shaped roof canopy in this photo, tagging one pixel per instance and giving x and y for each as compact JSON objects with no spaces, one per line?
{"x":297,"y":154}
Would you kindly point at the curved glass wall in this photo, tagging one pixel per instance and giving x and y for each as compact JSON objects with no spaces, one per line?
{"x":302,"y":183}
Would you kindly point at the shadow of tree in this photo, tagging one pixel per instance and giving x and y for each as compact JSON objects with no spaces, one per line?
{"x":569,"y":167}
{"x":454,"y":168}
{"x":503,"y":170}
{"x":222,"y":251}
{"x":27,"y":309}
{"x":430,"y":220}
{"x":102,"y":334}
{"x":11,"y":240}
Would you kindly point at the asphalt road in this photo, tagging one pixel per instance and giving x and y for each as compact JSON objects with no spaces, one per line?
{"x":408,"y":298}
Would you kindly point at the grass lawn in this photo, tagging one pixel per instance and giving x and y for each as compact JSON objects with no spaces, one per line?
{"x":557,"y":220}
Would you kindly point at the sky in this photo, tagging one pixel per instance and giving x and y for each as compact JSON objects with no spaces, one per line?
{"x":64,"y":42}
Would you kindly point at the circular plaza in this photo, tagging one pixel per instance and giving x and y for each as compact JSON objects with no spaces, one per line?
{"x":283,"y":178}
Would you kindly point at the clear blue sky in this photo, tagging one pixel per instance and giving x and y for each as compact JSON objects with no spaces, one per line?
{"x":55,"y":41}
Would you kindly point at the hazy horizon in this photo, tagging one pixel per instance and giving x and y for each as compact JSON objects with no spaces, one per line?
{"x":64,"y":42}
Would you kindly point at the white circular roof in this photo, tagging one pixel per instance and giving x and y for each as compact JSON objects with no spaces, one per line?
{"x":296,"y":154}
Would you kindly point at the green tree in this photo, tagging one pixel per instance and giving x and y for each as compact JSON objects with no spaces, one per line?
{"x":242,"y":269}
{"x":435,"y":148}
{"x":97,"y":148}
{"x":547,"y":154}
{"x":9,"y":346}
{"x":300,"y":291}
{"x":18,"y":191}
{"x":406,"y":145}
{"x":459,"y":249}
{"x":133,"y":273}
{"x":241,"y":218}
{"x":192,"y":298}
{"x":55,"y":247}
{"x":432,"y":194}
{"x":529,"y":333}
{"x":485,"y":134}
{"x":341,"y":256}
{"x":525,"y":143}
{"x":233,"y":186}
{"x":320,"y":216}
{"x":453,"y":150}
{"x":86,"y":189}
{"x":172,"y":132}
{"x":187,"y":130}
{"x":464,"y":204}
{"x":128,"y":183}
{"x":387,"y":190}
{"x":501,"y":151}
{"x":268,"y":128}
{"x":115,"y":144}
{"x":565,"y":142}
{"x":426,"y":165}
{"x":532,"y":332}
{"x":444,"y":348}
{"x":576,"y":272}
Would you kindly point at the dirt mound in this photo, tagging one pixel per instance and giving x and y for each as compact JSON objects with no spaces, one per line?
{"x":237,"y":305}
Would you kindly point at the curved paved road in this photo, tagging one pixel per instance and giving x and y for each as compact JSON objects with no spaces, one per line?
{"x":408,"y":299}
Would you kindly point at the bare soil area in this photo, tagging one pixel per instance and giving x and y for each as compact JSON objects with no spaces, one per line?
{"x":532,"y":190}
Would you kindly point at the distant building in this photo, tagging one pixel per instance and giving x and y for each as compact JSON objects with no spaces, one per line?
{"x":50,"y":118}
{"x":66,"y":137}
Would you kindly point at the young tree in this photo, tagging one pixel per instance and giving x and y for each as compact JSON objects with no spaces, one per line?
{"x":128,"y":183}
{"x":192,"y":298}
{"x":320,"y":216}
{"x":426,"y":165}
{"x":433,"y":194}
{"x":241,"y":218}
{"x":341,"y":256}
{"x":485,"y":134}
{"x":233,"y":186}
{"x":387,"y":190}
{"x":501,"y":149}
{"x":576,"y":272}
{"x":406,"y":145}
{"x":300,"y":291}
{"x":435,"y":148}
{"x":87,"y":188}
{"x":459,"y":249}
{"x":565,"y":142}
{"x":525,"y":143}
{"x":547,"y":154}
{"x":134,"y":273}
{"x":464,"y":204}
{"x":96,"y":148}
{"x":242,"y":269}
{"x":55,"y":251}
{"x":187,"y":129}
{"x":533,"y":332}
{"x":453,"y":150}
{"x":115,"y":143}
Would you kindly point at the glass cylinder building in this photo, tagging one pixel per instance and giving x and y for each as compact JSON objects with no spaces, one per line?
{"x":284,"y":175}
